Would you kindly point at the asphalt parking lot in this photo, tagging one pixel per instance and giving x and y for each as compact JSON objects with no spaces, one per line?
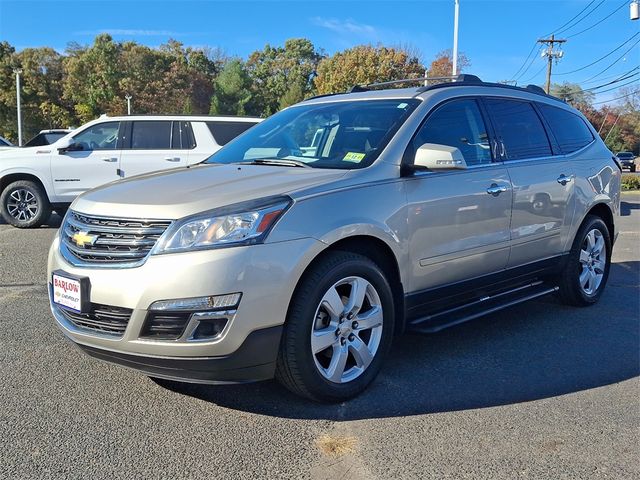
{"x":537,"y":391}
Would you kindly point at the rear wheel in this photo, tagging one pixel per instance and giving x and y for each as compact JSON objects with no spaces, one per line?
{"x":585,"y":276}
{"x":24,"y":204}
{"x":338,"y":330}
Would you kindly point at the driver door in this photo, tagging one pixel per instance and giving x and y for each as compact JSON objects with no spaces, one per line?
{"x":92,"y":159}
{"x":458,"y":219}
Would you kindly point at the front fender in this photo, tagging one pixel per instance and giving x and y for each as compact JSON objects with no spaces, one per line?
{"x":377,"y":211}
{"x":43,"y":177}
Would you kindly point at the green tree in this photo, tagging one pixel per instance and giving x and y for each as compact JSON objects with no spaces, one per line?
{"x":8,"y":125}
{"x":277,"y":72}
{"x":92,"y":77}
{"x":232,"y":90}
{"x":573,"y":94}
{"x":365,"y":64}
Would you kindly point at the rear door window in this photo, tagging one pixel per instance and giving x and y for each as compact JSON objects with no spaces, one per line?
{"x":224,"y":132}
{"x":519,"y":129}
{"x":568,"y":128}
{"x":182,"y":136}
{"x":151,"y":135}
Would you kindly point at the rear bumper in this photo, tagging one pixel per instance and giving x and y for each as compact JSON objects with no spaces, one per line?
{"x":255,"y":360}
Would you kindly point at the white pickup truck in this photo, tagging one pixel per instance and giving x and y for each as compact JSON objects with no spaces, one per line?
{"x":36,"y":180}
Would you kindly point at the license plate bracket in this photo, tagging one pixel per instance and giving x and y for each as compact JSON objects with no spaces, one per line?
{"x":71,"y":291}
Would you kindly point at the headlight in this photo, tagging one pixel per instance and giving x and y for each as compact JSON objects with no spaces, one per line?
{"x":241,"y":224}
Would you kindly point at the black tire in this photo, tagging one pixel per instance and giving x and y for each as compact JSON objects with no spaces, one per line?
{"x":571,"y":291}
{"x":632,"y":168}
{"x":296,"y":367}
{"x":35,"y":217}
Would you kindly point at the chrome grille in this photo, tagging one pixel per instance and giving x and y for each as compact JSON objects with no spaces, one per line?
{"x":112,"y":240}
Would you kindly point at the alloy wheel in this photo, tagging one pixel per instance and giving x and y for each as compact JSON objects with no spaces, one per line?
{"x":593,"y":261}
{"x":347,"y":329}
{"x":22,"y":205}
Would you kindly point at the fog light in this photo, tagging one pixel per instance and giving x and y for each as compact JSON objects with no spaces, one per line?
{"x":210,"y":325}
{"x":199,"y":303}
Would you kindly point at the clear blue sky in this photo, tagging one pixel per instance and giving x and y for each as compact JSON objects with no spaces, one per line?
{"x":497,"y":35}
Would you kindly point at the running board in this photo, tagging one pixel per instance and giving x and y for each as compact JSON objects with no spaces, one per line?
{"x":478,"y":308}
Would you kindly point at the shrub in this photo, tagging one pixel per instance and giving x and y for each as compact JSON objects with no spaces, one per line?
{"x":630,"y":182}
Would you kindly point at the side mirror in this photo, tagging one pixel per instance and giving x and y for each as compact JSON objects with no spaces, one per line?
{"x":432,"y":156}
{"x":67,"y":145}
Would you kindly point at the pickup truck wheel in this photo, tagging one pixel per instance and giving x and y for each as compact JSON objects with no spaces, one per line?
{"x":582,"y":281}
{"x":24,"y":204}
{"x":338,"y":329}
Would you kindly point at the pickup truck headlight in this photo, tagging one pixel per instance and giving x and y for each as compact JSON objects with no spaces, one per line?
{"x":245,"y":223}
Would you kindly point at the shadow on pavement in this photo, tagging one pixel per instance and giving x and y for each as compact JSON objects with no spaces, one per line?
{"x":626,"y":207}
{"x":535,"y":350}
{"x":54,"y":221}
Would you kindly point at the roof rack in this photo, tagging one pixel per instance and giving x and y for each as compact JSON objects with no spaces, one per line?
{"x":463,"y":79}
{"x":469,"y":80}
{"x":457,"y":78}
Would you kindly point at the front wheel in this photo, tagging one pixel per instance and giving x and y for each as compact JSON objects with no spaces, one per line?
{"x":24,"y":204}
{"x":338,"y":329}
{"x":585,"y":276}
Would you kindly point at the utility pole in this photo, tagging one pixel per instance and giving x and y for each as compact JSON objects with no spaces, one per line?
{"x":128,"y":97}
{"x":551,"y":54}
{"x":456,"y":14}
{"x":17,"y":71}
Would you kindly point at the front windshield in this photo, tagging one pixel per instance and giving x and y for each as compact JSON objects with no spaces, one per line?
{"x":327,"y":135}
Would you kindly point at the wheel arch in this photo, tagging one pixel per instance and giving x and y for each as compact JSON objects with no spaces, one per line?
{"x":9,"y":178}
{"x":603,"y":211}
{"x":379,"y":252}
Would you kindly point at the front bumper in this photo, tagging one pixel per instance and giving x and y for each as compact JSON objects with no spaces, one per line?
{"x":266,"y":275}
{"x":255,"y":360}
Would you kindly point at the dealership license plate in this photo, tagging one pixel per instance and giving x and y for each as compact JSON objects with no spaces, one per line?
{"x":68,"y":292}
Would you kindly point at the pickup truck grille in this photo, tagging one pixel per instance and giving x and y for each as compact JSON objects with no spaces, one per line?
{"x":92,"y":240}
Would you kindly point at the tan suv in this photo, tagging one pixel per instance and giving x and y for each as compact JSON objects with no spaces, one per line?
{"x":303,"y":246}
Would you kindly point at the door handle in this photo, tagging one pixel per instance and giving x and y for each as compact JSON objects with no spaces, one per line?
{"x":496,"y":189}
{"x":110,"y":159}
{"x":172,"y":159}
{"x":563,"y":179}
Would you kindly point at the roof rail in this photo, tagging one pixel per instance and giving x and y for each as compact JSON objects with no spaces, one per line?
{"x":457,"y":78}
{"x":463,"y":79}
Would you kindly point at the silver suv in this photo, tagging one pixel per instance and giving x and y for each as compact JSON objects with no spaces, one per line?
{"x":305,"y":245}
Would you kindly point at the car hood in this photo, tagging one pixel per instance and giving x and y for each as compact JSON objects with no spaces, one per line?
{"x":186,"y":191}
{"x":19,"y":156}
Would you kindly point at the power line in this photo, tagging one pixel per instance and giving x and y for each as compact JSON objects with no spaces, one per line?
{"x":609,"y":77}
{"x":515,"y":76}
{"x":614,"y":62}
{"x":533,"y":59}
{"x":535,"y":74}
{"x":525,"y":62}
{"x":603,"y":57}
{"x":592,"y":91}
{"x":599,"y":21}
{"x":618,"y":80}
{"x":618,"y":98}
{"x":563,"y":29}
{"x":635,"y":80}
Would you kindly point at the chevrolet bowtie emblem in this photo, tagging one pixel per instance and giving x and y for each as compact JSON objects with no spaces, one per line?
{"x":83,"y":238}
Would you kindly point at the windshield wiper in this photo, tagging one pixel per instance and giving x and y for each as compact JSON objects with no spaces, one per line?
{"x":282,"y":162}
